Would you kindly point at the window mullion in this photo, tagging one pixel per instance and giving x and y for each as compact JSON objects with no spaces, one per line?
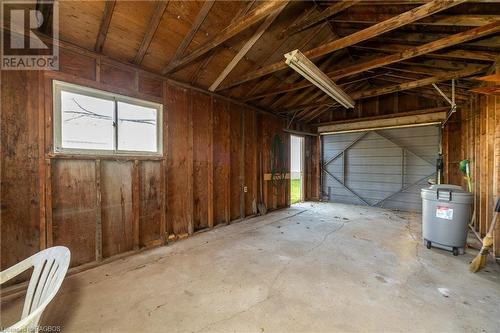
{"x":116,"y":125}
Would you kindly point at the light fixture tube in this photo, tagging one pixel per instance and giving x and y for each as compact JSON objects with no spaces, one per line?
{"x":306,"y":68}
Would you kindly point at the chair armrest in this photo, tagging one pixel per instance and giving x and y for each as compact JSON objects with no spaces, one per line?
{"x":15,"y":270}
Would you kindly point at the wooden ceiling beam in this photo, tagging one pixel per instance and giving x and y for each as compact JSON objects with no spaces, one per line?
{"x":294,"y":87}
{"x":154,"y":22}
{"x":439,"y":20}
{"x":398,"y":87}
{"x":200,"y":18}
{"x":420,"y":50}
{"x":313,"y":20}
{"x":109,"y":7}
{"x":211,"y":54}
{"x":414,"y":84}
{"x":490,"y":44}
{"x":246,"y":47}
{"x":355,"y":38}
{"x":447,"y":54}
{"x":400,"y":56}
{"x":230,"y":31}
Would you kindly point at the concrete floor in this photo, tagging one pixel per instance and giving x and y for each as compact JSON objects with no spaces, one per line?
{"x":311,"y":268}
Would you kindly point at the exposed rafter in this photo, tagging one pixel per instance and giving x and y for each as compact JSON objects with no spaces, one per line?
{"x":154,"y":22}
{"x":246,"y":47}
{"x":211,"y":54}
{"x":396,"y":88}
{"x":200,"y":18}
{"x":232,"y":30}
{"x":446,"y":20}
{"x":313,"y":20}
{"x":355,"y":38}
{"x":400,"y":56}
{"x":109,"y":7}
{"x":447,"y":54}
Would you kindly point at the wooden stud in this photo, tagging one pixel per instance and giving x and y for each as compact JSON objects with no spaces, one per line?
{"x":136,"y":201}
{"x":190,"y":174}
{"x":163,"y":191}
{"x":41,"y":161}
{"x":210,"y":166}
{"x":242,"y":166}
{"x":48,"y":203}
{"x":98,"y":215}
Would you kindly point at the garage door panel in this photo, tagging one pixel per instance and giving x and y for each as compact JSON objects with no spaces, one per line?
{"x":373,"y":185}
{"x":375,"y":160}
{"x":375,"y":151}
{"x":380,"y":169}
{"x":383,"y":167}
{"x":334,"y":146}
{"x":346,"y":200}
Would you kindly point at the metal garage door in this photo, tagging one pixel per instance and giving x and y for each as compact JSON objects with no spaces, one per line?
{"x":385,"y":168}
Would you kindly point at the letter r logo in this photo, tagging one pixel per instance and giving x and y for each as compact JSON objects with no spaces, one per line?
{"x":19,"y":25}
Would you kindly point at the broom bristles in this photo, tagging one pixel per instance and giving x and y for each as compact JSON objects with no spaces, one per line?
{"x":478,"y":263}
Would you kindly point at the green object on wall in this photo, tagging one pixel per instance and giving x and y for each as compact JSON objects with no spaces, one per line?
{"x":278,"y":163}
{"x":464,"y":166}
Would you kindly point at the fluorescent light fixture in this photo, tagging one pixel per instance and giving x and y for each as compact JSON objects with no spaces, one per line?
{"x":305,"y":67}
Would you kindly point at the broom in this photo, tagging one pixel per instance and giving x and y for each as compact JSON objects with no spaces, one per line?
{"x":480,"y":260}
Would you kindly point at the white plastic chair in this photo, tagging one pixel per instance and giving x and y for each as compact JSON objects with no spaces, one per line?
{"x":50,"y":267}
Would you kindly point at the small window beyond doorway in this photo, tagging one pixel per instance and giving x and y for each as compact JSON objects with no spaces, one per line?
{"x":296,"y":169}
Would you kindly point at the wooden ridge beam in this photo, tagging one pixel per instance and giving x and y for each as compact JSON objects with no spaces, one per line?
{"x":355,"y":38}
{"x":154,"y":22}
{"x":246,"y":47}
{"x":400,"y":56}
{"x":230,"y":31}
{"x":200,"y":18}
{"x":109,"y":7}
{"x":318,"y":18}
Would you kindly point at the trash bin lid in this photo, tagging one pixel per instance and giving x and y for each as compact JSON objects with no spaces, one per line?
{"x":447,"y":192}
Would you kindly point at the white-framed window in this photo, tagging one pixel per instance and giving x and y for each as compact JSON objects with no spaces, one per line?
{"x":92,"y":121}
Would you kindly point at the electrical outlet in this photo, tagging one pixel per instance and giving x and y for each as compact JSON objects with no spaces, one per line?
{"x":245,"y":189}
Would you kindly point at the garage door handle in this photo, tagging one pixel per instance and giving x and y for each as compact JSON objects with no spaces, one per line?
{"x":446,"y":198}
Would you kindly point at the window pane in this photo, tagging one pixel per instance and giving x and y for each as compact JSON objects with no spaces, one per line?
{"x":136,"y":128}
{"x":86,"y":122}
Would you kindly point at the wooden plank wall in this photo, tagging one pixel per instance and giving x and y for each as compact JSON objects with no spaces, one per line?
{"x":475,"y":134}
{"x":312,"y":168}
{"x":103,"y":206}
{"x":273,"y":196}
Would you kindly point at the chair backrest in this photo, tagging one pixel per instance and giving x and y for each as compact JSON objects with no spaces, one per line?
{"x":50,"y":267}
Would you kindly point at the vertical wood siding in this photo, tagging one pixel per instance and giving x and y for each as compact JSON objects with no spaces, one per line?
{"x":103,"y":206}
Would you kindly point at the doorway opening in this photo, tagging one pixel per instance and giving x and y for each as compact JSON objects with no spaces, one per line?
{"x":296,"y":169}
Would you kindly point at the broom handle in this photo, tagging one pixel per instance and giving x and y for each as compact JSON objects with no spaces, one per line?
{"x":494,"y":222}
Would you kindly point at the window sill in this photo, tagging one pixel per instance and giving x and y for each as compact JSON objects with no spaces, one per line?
{"x":120,"y":157}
